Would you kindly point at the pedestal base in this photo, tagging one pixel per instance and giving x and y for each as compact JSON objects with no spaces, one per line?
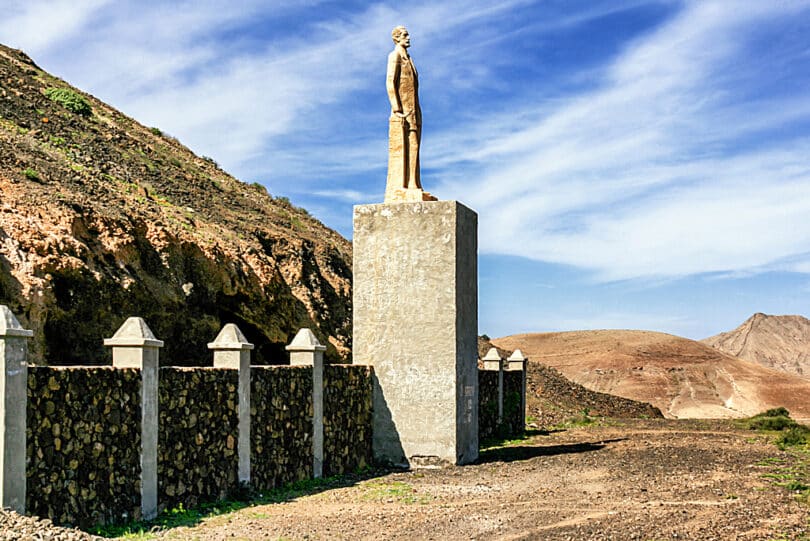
{"x":416,"y":321}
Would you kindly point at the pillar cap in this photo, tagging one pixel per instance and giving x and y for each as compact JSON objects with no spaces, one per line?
{"x":305,"y":340}
{"x":134,"y":333}
{"x":517,"y":355}
{"x":10,"y":326}
{"x":230,"y":338}
{"x":492,"y":360}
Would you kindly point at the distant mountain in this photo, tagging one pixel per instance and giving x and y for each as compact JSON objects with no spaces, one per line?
{"x":103,"y":218}
{"x":551,"y":398}
{"x":681,"y":377}
{"x":780,"y":342}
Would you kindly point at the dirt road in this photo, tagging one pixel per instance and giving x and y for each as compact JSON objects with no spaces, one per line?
{"x":646,"y":480}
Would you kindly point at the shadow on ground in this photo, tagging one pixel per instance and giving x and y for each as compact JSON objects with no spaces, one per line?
{"x":525,"y":452}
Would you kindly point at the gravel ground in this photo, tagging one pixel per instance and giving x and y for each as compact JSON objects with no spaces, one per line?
{"x":646,"y":480}
{"x":624,"y":480}
{"x":16,"y":527}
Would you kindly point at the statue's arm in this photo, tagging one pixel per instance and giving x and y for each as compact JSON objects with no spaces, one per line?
{"x":392,"y":81}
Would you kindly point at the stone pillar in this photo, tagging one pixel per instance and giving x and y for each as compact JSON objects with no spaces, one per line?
{"x":517,"y":361}
{"x":305,"y":350}
{"x":415,"y":320}
{"x":232,"y":351}
{"x":135,"y":346}
{"x":13,"y":402}
{"x":493,"y":361}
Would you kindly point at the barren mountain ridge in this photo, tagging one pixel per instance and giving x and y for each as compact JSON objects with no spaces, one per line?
{"x":780,"y":342}
{"x":681,"y":377}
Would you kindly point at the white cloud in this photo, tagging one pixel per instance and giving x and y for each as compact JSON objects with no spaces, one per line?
{"x":168,"y":65}
{"x":37,"y":25}
{"x":650,"y":174}
{"x":352,"y":196}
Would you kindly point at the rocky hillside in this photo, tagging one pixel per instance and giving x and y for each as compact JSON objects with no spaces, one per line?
{"x":681,"y":377}
{"x":102,"y":218}
{"x":551,"y":398}
{"x":780,"y":342}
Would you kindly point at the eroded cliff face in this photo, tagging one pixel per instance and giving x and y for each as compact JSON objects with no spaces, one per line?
{"x":102,"y":218}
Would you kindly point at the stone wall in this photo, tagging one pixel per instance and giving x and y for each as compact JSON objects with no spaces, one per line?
{"x":281,"y":425}
{"x":347,"y":398}
{"x":487,"y":404}
{"x":197,"y":436}
{"x":113,"y":444}
{"x":83,"y":444}
{"x":513,"y":406}
{"x":513,"y":417}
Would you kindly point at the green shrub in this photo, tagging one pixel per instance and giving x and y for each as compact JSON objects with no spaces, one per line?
{"x":70,"y":100}
{"x":794,"y":436}
{"x":773,"y":419}
{"x":156,"y":131}
{"x":30,"y":174}
{"x":775,"y":412}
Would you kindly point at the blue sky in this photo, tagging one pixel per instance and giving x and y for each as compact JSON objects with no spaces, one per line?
{"x":635,"y":164}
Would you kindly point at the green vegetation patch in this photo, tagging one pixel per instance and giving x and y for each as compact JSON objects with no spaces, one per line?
{"x":393,"y":491}
{"x":773,"y":419}
{"x":70,"y":100}
{"x":791,"y":433}
{"x":792,"y":470}
{"x":794,"y":436}
{"x":490,"y":444}
{"x":584,"y":418}
{"x":30,"y":174}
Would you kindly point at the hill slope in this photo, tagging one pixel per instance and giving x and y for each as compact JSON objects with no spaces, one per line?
{"x":780,"y":342}
{"x":551,"y":398}
{"x":102,"y":218}
{"x":681,"y":377}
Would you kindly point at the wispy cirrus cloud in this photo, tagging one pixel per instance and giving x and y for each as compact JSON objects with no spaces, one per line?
{"x":656,"y":171}
{"x":39,"y":25}
{"x":237,"y":82}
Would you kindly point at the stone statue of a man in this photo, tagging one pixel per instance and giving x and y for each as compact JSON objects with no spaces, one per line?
{"x":404,"y":125}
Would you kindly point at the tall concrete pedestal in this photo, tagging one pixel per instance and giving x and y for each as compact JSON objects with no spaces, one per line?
{"x":416,"y":321}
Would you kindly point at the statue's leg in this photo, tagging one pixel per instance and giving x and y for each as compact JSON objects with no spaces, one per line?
{"x":418,"y":145}
{"x":413,"y":160}
{"x":397,"y":157}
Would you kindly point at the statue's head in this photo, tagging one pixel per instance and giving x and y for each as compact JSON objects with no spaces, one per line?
{"x":400,"y":36}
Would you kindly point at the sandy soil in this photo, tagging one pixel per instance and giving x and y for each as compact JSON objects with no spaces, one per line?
{"x":645,"y":479}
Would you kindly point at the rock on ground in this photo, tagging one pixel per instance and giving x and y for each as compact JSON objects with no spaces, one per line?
{"x":16,"y":527}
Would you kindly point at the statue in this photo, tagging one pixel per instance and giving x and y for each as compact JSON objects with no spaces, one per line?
{"x":404,"y":125}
